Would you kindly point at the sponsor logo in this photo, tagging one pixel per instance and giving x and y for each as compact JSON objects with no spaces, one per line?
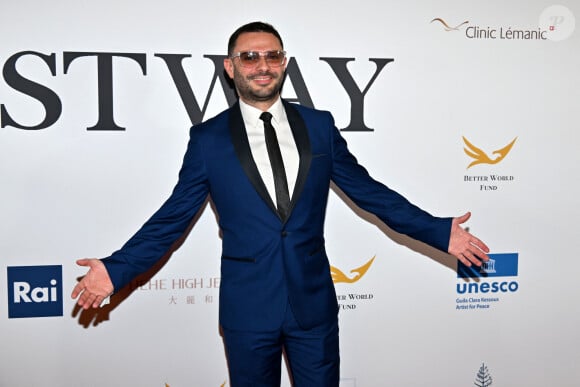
{"x":480,"y":157}
{"x":489,"y":182}
{"x":482,"y":287}
{"x":350,"y":301}
{"x":555,"y":23}
{"x":338,"y":276}
{"x":483,"y":377}
{"x":34,"y":291}
{"x":499,"y":265}
{"x":446,"y":26}
{"x":477,"y":32}
{"x":189,"y":291}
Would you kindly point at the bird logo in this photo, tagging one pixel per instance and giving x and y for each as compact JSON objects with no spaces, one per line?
{"x":446,"y":26}
{"x":480,"y":157}
{"x":338,"y":276}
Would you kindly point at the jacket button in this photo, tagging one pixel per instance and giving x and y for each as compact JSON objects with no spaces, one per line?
{"x":284,"y":234}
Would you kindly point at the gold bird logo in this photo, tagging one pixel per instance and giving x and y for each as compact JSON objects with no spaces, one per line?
{"x":446,"y":26}
{"x":338,"y":276}
{"x":480,"y":157}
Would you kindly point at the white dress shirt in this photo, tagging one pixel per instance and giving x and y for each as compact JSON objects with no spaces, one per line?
{"x":255,"y":130}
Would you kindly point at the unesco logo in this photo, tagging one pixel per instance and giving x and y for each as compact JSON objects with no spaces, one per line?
{"x":34,"y":291}
{"x":499,"y":265}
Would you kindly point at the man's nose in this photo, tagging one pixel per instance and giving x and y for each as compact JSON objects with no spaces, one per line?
{"x":262,"y":63}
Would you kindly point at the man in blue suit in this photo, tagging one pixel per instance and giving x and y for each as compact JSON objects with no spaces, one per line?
{"x":268,"y":175}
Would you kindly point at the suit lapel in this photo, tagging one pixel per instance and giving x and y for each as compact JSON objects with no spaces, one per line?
{"x":244,"y":153}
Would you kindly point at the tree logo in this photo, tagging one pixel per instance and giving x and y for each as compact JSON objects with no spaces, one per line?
{"x":483,"y":377}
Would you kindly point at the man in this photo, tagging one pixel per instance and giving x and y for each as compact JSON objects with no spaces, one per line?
{"x":270,"y":195}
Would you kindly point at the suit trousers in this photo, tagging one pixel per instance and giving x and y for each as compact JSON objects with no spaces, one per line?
{"x":312,"y":355}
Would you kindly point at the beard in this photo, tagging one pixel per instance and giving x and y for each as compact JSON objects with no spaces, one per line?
{"x":250,"y":92}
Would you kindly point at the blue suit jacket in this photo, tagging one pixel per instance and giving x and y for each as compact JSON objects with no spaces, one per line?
{"x":266,"y":261}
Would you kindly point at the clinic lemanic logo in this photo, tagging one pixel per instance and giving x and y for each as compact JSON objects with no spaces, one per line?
{"x":483,"y":287}
{"x":554,"y":23}
{"x":473,"y":31}
{"x":446,"y":26}
{"x":34,"y":291}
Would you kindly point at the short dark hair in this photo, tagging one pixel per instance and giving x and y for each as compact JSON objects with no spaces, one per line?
{"x":252,"y":27}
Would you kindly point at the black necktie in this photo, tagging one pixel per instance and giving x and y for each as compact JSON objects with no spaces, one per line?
{"x":280,"y":182}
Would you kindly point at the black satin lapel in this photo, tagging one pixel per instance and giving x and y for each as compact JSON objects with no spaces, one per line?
{"x":302,"y":140}
{"x":242,"y":148}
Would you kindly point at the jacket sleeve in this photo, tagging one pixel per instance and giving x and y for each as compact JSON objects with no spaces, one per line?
{"x":389,"y":206}
{"x":167,"y":224}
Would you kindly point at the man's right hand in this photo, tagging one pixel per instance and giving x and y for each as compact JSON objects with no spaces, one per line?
{"x":95,"y":286}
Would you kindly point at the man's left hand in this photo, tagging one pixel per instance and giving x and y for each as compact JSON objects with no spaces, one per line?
{"x":464,"y":246}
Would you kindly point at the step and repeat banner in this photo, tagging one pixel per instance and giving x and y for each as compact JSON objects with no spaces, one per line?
{"x":460,"y":106}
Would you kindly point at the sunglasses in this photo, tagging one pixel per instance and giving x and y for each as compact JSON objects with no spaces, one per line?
{"x":274,"y":58}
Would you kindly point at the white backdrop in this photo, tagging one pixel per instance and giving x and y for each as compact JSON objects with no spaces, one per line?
{"x":490,"y":71}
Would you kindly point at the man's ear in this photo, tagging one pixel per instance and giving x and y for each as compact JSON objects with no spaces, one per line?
{"x":229,"y":67}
